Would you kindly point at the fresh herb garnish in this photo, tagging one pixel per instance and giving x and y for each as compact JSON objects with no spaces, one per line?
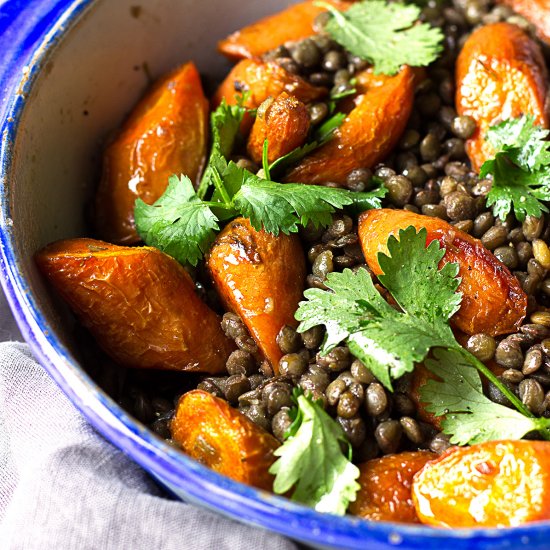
{"x":388,"y":340}
{"x":225,"y":123}
{"x":520,"y":169}
{"x":311,"y":460}
{"x":183,"y":223}
{"x":385,"y":34}
{"x":179,"y":223}
{"x":470,"y":416}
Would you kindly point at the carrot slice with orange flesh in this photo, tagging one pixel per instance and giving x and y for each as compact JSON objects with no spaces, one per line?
{"x":139,"y":303}
{"x":500,"y":75}
{"x":221,"y":437}
{"x":493,"y":301}
{"x":165,"y":134}
{"x":260,"y":277}
{"x":493,"y":484}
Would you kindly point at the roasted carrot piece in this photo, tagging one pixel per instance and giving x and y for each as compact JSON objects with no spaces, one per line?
{"x":385,"y":493}
{"x":260,"y":277}
{"x":366,"y":136}
{"x":493,"y":484}
{"x":500,"y":74}
{"x":284,"y":122}
{"x":537,"y":12}
{"x":293,"y":23}
{"x":420,"y":376}
{"x":493,"y":301}
{"x":262,"y":80}
{"x":139,"y":303}
{"x":224,"y":439}
{"x":165,"y":134}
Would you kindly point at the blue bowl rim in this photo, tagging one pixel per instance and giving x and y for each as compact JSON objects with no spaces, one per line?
{"x":201,"y":484}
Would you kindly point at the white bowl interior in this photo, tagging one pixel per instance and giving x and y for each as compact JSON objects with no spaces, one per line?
{"x":85,"y":87}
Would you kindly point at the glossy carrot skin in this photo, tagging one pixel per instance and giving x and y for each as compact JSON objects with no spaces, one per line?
{"x":263,"y":80}
{"x":224,"y":439}
{"x":493,"y":484}
{"x":420,"y":377}
{"x":165,"y":134}
{"x":261,"y":277}
{"x":139,"y":304}
{"x":367,"y":135}
{"x":386,"y":482}
{"x":284,"y":122}
{"x":293,"y":23}
{"x":493,"y":301}
{"x":500,"y":74}
{"x":537,"y":12}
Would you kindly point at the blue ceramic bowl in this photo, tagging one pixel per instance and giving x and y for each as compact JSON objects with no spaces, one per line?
{"x":69,"y":72}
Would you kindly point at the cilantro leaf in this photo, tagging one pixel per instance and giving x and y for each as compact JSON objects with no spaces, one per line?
{"x":523,"y":141}
{"x":311,"y":461}
{"x":225,"y":124}
{"x":470,"y":417}
{"x":387,"y":341}
{"x":282,"y":207}
{"x":385,"y":34}
{"x":520,"y":168}
{"x":433,"y":297}
{"x":178,"y":223}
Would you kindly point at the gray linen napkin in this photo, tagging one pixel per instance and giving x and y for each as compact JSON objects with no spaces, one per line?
{"x":63,"y":487}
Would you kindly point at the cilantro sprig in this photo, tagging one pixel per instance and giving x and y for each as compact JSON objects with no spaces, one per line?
{"x":520,"y":168}
{"x":183,"y":223}
{"x":390,"y":340}
{"x":385,"y":34}
{"x":312,"y":462}
{"x":469,"y":415}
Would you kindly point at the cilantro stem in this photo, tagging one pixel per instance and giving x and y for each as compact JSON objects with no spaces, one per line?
{"x":265,"y":161}
{"x":214,"y":204}
{"x":481,"y":367}
{"x":203,"y":188}
{"x":218,"y":182}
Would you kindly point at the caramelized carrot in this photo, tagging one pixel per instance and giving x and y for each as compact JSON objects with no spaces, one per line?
{"x":366,"y":136}
{"x":420,"y":377}
{"x":139,"y":303}
{"x":165,"y":134}
{"x":263,"y":80}
{"x":500,"y":74}
{"x":222,"y":438}
{"x":385,"y":493}
{"x":493,"y":301}
{"x":260,"y":277}
{"x":493,"y":484}
{"x":284,"y":122}
{"x":537,"y":12}
{"x":293,"y":23}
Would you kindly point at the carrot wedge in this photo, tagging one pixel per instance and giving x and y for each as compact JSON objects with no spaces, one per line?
{"x":165,"y":134}
{"x":493,"y":484}
{"x":139,"y":304}
{"x":284,"y":123}
{"x":385,"y":493}
{"x":262,"y":80}
{"x":493,"y":301}
{"x":366,"y":136}
{"x":260,"y":277}
{"x":293,"y":23}
{"x":537,"y":12}
{"x":224,"y":439}
{"x":500,"y":74}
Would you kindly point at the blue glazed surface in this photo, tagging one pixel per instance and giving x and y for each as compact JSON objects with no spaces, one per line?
{"x":27,"y":29}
